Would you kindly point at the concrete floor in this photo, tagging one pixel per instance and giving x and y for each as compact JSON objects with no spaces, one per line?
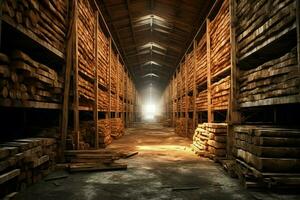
{"x":164,"y":162}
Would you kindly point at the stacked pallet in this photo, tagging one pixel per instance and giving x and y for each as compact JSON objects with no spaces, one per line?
{"x":190,"y":64}
{"x":274,"y":79}
{"x":209,"y":140}
{"x":220,"y":94}
{"x":104,"y":132}
{"x":24,"y":162}
{"x":268,"y":154}
{"x":117,"y":127}
{"x":201,"y":100}
{"x":103,"y":59}
{"x":180,"y":126}
{"x":220,"y":40}
{"x":263,"y":22}
{"x":86,"y":51}
{"x":201,"y":61}
{"x":24,"y":80}
{"x":47,"y":20}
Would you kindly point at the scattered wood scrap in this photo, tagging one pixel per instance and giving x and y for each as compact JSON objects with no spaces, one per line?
{"x":89,"y":167}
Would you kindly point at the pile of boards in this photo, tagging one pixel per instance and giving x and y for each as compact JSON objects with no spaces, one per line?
{"x":267,"y":155}
{"x":180,"y":126}
{"x":47,"y":20}
{"x":210,"y":140}
{"x":96,"y":160}
{"x":117,"y":127}
{"x":201,"y":100}
{"x":104,"y":132}
{"x":24,"y":80}
{"x":24,"y":162}
{"x":201,"y":61}
{"x":103,"y":100}
{"x":220,"y":94}
{"x":276,"y":78}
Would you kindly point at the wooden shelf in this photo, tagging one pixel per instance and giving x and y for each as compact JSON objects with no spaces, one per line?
{"x":273,"y":101}
{"x":28,"y":104}
{"x":33,"y":37}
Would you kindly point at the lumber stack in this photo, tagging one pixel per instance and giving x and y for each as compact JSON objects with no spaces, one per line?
{"x":103,"y":100}
{"x":104,"y":132}
{"x":201,"y":61}
{"x":114,"y":103}
{"x":86,"y":51}
{"x":24,"y":81}
{"x":103,"y":59}
{"x":263,"y":22}
{"x":120,"y":105}
{"x":201,"y":100}
{"x":220,"y":40}
{"x":121,"y":81}
{"x":183,"y":78}
{"x":190,"y":64}
{"x":209,"y":140}
{"x":113,"y":72}
{"x":220,"y":94}
{"x":117,"y":127}
{"x":191,"y":129}
{"x":268,"y":154}
{"x":274,"y":79}
{"x":24,"y":162}
{"x":185,"y":103}
{"x":179,"y":84}
{"x":180,"y":126}
{"x":46,"y":20}
{"x":87,"y":134}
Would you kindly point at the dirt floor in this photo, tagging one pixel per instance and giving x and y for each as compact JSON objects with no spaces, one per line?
{"x":164,"y":163}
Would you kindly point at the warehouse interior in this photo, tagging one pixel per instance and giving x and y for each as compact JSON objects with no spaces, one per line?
{"x":149,"y":99}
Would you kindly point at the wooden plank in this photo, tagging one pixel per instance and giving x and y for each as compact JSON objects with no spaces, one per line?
{"x":40,"y":161}
{"x":89,"y":167}
{"x":209,"y":108}
{"x":96,"y":145}
{"x":9,"y":175}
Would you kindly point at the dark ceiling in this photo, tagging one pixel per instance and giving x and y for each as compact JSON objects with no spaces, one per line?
{"x":153,"y":35}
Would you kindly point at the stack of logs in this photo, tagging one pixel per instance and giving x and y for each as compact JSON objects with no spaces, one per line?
{"x":209,"y":140}
{"x":117,"y":127}
{"x":24,"y":80}
{"x":276,"y":78}
{"x":268,"y":155}
{"x":201,"y":100}
{"x":45,"y":19}
{"x":220,"y":94}
{"x":104,"y":132}
{"x":269,"y":21}
{"x":180,"y":127}
{"x":201,"y":60}
{"x":24,"y":162}
{"x":86,"y":51}
{"x":220,"y":40}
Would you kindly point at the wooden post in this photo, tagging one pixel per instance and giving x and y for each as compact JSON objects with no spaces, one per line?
{"x":194,"y":84}
{"x":109,"y":75}
{"x":298,"y":30}
{"x":96,"y":83}
{"x":123,"y":100}
{"x":233,"y":113}
{"x":117,"y":78}
{"x":69,"y":61}
{"x":76,"y":95}
{"x":209,"y":108}
{"x":186,"y":97}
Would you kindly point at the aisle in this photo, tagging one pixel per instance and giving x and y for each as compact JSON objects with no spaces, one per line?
{"x":164,"y":163}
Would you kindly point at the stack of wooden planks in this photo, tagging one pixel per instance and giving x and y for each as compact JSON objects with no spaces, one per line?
{"x":117,"y":127}
{"x":263,"y":22}
{"x":209,"y":140}
{"x":190,"y":64}
{"x":46,"y":20}
{"x":103,"y":59}
{"x":104,"y":132}
{"x":114,"y":103}
{"x":220,"y":41}
{"x":180,"y":126}
{"x":24,"y":81}
{"x":274,"y":79}
{"x":24,"y":162}
{"x":120,"y":81}
{"x":86,"y":51}
{"x":113,"y":72}
{"x":201,"y":61}
{"x":191,"y":129}
{"x":201,"y":100}
{"x":103,"y":100}
{"x":220,"y":94}
{"x":268,"y":154}
{"x":87,"y":134}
